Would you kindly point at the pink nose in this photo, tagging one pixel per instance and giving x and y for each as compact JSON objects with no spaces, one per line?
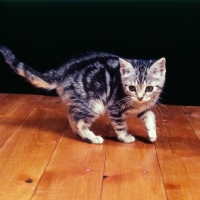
{"x":140,"y":98}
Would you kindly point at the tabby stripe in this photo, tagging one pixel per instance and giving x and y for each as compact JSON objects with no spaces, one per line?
{"x":142,"y":113}
{"x":117,"y":120}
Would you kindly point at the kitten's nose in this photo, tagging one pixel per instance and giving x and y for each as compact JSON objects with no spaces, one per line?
{"x":140,"y":98}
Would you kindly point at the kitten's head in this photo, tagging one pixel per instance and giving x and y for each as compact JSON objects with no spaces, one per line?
{"x":143,"y":80}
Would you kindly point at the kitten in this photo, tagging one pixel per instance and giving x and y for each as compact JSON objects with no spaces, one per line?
{"x":96,"y":82}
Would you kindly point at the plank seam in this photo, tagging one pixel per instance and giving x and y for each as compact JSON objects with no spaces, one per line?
{"x":161,"y":168}
{"x":20,"y":123}
{"x":104,"y":167}
{"x":186,"y":117}
{"x":48,"y":162}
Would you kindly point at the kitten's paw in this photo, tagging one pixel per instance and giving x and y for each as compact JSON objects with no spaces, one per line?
{"x":95,"y":140}
{"x":126,"y":138}
{"x":153,"y":139}
{"x":152,"y":135}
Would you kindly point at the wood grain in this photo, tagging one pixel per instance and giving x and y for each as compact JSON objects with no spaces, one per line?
{"x":24,"y":157}
{"x":13,"y":104}
{"x":74,"y":172}
{"x":132,"y":170}
{"x":13,"y":111}
{"x":40,"y":157}
{"x":2,"y":96}
{"x":193,"y":116}
{"x":178,"y":152}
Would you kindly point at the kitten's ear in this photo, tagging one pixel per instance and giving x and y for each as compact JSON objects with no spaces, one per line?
{"x":125,"y":67}
{"x":159,"y":66}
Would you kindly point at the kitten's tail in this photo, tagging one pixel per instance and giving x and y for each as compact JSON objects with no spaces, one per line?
{"x":36,"y":78}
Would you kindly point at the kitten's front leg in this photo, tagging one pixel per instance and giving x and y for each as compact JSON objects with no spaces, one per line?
{"x":148,"y":118}
{"x":120,"y":127}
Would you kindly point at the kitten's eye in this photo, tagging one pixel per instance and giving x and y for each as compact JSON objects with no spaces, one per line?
{"x":132,"y":88}
{"x":149,"y":89}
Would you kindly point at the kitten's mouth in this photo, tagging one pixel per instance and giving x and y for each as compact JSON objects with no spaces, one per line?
{"x":139,"y":101}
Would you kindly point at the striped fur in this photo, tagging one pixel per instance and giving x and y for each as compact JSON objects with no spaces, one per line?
{"x":97,"y":82}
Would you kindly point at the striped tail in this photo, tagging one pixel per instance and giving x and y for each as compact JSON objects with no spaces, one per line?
{"x":36,"y":78}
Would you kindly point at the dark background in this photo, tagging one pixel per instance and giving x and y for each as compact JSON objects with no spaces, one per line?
{"x":45,"y":34}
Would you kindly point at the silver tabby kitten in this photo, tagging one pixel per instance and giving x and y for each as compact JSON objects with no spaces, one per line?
{"x":96,"y":82}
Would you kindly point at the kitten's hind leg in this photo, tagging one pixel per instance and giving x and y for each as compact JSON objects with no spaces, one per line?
{"x":81,"y":127}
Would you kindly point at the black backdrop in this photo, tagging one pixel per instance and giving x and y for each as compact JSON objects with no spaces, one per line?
{"x":45,"y":34}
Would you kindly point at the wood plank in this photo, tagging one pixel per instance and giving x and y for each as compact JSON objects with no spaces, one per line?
{"x":53,"y":103}
{"x":26,"y":154}
{"x":37,"y":163}
{"x":9,"y":103}
{"x":191,"y":110}
{"x":165,"y":112}
{"x":3,"y":95}
{"x":193,"y":116}
{"x":101,"y":126}
{"x":178,"y":151}
{"x":7,"y":127}
{"x":18,"y":105}
{"x":74,"y":172}
{"x":132,"y":170}
{"x":13,"y":112}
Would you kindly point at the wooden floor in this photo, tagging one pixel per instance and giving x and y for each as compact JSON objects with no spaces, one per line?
{"x":40,"y":157}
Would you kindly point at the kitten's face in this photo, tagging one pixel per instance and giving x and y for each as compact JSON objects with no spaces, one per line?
{"x":143,"y":80}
